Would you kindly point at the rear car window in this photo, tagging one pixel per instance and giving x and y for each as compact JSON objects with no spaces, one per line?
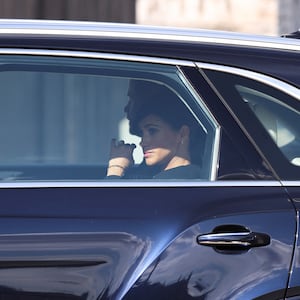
{"x":58,"y":115}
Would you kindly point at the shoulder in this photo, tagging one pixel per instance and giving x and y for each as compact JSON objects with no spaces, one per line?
{"x":183,"y":172}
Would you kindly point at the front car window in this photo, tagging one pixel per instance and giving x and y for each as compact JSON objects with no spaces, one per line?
{"x":281,"y":121}
{"x":58,"y":115}
{"x":275,"y":105}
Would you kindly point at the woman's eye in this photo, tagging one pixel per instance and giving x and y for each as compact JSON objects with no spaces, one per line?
{"x":152,"y":130}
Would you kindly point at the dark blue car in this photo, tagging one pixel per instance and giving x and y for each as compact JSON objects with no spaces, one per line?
{"x":69,"y":230}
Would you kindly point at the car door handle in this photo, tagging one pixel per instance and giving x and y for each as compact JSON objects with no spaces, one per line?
{"x":240,"y":240}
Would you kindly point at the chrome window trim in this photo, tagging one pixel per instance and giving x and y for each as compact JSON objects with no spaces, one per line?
{"x":293,"y":183}
{"x":216,"y":154}
{"x":268,"y":80}
{"x":96,"y":55}
{"x":217,"y":136}
{"x":130,"y":183}
{"x":142,"y":32}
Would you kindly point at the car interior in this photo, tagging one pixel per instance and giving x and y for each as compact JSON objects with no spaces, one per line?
{"x":280,"y":120}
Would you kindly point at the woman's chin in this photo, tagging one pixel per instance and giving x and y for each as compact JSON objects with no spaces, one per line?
{"x":150,"y":162}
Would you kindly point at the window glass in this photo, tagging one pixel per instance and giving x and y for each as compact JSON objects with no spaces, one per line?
{"x":59,"y":115}
{"x":281,"y":121}
{"x":276,"y":111}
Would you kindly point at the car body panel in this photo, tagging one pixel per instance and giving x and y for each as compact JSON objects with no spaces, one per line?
{"x":117,"y":237}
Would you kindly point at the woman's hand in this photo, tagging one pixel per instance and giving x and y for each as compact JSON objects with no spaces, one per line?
{"x":121,"y":157}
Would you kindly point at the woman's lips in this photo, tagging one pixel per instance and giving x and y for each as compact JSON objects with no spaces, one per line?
{"x":147,"y":153}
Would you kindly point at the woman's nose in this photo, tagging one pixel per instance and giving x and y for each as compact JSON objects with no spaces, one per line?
{"x":143,"y":141}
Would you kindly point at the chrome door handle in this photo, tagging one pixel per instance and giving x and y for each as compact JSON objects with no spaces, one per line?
{"x":234,"y":240}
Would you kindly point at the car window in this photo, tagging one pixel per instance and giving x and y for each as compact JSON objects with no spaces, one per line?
{"x":58,"y":115}
{"x":281,"y":121}
{"x":269,"y":102}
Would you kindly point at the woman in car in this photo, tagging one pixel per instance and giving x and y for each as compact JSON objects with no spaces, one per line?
{"x":166,"y":129}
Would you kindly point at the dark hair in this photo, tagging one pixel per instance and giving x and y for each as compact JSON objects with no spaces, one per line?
{"x":159,"y":100}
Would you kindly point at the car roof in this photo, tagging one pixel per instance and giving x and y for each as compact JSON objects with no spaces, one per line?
{"x":134,"y":31}
{"x":275,"y":56}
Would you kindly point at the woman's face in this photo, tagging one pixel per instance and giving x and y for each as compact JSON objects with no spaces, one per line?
{"x":159,"y":141}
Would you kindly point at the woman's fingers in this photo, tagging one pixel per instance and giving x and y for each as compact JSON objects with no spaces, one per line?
{"x":119,"y":148}
{"x":121,"y":143}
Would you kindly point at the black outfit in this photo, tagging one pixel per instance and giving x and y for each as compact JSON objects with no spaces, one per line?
{"x":141,"y":171}
{"x":182,"y":172}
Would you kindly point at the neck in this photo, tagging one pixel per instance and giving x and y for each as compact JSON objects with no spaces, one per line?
{"x":177,"y":161}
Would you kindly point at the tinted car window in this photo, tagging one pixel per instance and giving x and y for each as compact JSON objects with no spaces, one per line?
{"x":277,"y":112}
{"x":58,"y":115}
{"x":281,"y":121}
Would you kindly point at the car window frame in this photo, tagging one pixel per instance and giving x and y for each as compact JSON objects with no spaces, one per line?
{"x":285,"y":170}
{"x":133,"y":58}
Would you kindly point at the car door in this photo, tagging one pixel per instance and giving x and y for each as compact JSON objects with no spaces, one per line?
{"x":69,"y":232}
{"x":270,"y":112}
